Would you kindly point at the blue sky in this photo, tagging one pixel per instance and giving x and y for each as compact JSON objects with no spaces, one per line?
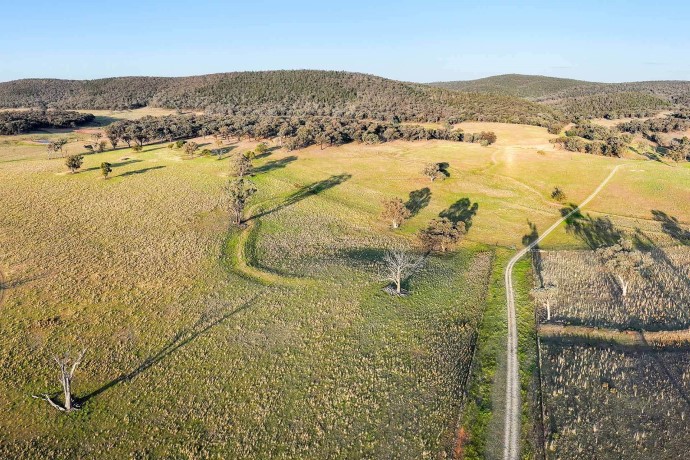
{"x":608,"y":40}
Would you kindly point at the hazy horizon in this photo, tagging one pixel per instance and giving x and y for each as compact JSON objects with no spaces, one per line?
{"x":401,"y":41}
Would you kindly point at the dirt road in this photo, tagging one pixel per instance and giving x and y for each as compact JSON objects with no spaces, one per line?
{"x":511,"y":446}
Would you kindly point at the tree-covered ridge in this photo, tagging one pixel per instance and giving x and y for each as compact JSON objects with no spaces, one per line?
{"x":527,"y":86}
{"x":611,"y":106}
{"x":22,"y":121}
{"x":279,"y":93}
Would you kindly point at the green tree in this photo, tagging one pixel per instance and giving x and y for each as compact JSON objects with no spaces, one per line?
{"x":238,"y":191}
{"x":558,"y":194}
{"x":240,"y":165}
{"x":441,"y":234}
{"x":190,"y":147}
{"x":74,"y":162}
{"x":106,"y":169}
{"x":395,"y":212}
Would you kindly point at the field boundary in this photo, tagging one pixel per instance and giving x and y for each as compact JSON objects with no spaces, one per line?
{"x":625,"y":337}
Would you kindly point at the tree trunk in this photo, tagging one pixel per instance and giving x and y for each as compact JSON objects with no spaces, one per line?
{"x":67,"y":388}
{"x":623,"y":284}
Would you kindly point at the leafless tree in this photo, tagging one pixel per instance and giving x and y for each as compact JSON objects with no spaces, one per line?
{"x":398,"y":266}
{"x":67,"y":365}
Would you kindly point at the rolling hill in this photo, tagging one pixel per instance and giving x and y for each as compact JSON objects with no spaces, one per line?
{"x":280,"y":93}
{"x":527,"y":86}
{"x":578,"y":99}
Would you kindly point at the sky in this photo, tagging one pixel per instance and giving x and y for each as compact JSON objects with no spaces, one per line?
{"x":421,"y":41}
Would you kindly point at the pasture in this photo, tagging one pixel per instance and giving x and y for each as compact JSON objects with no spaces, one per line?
{"x":275,"y":339}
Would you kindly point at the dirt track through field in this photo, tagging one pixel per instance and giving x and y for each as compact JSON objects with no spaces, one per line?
{"x":511,"y":435}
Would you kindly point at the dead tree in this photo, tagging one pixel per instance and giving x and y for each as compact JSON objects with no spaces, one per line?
{"x":399,"y":265}
{"x":67,"y":366}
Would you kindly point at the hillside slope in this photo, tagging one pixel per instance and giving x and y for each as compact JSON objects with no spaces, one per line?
{"x":527,"y":86}
{"x":284,"y":93}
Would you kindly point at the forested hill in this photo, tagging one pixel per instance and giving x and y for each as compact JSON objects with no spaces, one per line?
{"x":285,"y":93}
{"x":528,"y":86}
{"x":578,"y":99}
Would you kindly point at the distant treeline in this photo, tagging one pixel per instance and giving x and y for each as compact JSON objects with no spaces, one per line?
{"x":675,"y":122}
{"x":302,"y":93}
{"x":611,"y":106}
{"x":292,"y":132}
{"x":22,"y":121}
{"x":593,"y":139}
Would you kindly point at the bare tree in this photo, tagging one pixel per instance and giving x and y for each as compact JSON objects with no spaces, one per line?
{"x":399,"y":265}
{"x":67,"y":365}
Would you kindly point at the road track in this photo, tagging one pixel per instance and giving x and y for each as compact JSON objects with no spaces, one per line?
{"x":511,"y":434}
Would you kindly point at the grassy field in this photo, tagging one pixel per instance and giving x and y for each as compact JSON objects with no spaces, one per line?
{"x":193,"y":352}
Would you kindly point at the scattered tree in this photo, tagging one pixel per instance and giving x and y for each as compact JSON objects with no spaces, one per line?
{"x":240,"y":165}
{"x":238,"y":192}
{"x":261,"y":148}
{"x":433,"y":171}
{"x":190,"y":147}
{"x":621,"y":260}
{"x":395,"y":212}
{"x":558,"y":194}
{"x":441,"y":234}
{"x":67,"y":366}
{"x":74,"y":162}
{"x":106,"y":169}
{"x":398,"y":266}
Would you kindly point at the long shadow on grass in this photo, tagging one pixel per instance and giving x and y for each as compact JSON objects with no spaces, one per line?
{"x":671,"y":227}
{"x":305,"y":192}
{"x":418,"y":200}
{"x":462,"y":210}
{"x":268,"y":152}
{"x":274,"y":164}
{"x":664,"y":368}
{"x":537,"y":261}
{"x":596,"y":232}
{"x":114,"y":165}
{"x":140,"y":171}
{"x":207,"y":321}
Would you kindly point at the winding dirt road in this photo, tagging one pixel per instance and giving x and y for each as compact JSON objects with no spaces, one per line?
{"x":511,"y":446}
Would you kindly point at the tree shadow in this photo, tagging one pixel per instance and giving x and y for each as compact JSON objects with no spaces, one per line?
{"x":305,"y":192}
{"x":206,"y":322}
{"x":274,"y":164}
{"x":267,"y":153}
{"x":654,"y":353}
{"x":18,"y":282}
{"x":223,"y":150}
{"x":140,"y":171}
{"x":671,"y":227}
{"x":443,"y":168}
{"x":418,"y":200}
{"x":114,"y":165}
{"x":462,"y":210}
{"x":596,"y":232}
{"x":537,"y":261}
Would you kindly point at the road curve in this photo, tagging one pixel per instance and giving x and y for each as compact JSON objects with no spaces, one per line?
{"x":511,"y":444}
